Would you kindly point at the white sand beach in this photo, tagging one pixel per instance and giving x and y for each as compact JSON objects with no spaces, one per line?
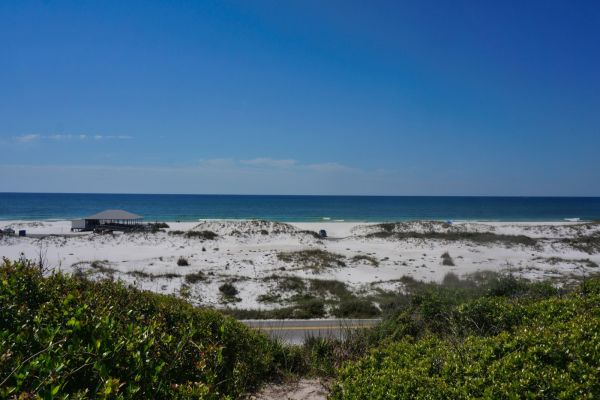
{"x":248,"y":254}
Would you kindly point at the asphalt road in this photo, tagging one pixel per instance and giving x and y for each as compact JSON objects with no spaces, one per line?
{"x":295,"y":331}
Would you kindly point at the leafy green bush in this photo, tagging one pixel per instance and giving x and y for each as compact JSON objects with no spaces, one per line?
{"x":157,"y":227}
{"x":304,"y":309}
{"x":195,"y":277}
{"x":228,"y":289}
{"x":489,"y":347}
{"x":204,"y":235}
{"x":356,"y":308}
{"x":62,"y":336}
{"x":182,"y":262}
{"x":447,"y":260}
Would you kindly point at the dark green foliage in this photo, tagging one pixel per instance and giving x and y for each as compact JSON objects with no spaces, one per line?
{"x":310,"y":308}
{"x":64,"y":336}
{"x":314,"y":259}
{"x":310,"y":233}
{"x":268,"y":298}
{"x":431,"y":308}
{"x":182,"y":262}
{"x":145,"y":275}
{"x":475,"y":237}
{"x":308,"y":299}
{"x":447,"y":260}
{"x":334,"y":288}
{"x":590,"y":244}
{"x":356,"y":308}
{"x":303,"y":308}
{"x":101,"y":266}
{"x":195,"y":277}
{"x":157,"y":226}
{"x":362,"y":258}
{"x":511,"y":340}
{"x":289,"y":283}
{"x":228,"y":290}
{"x":203,"y":235}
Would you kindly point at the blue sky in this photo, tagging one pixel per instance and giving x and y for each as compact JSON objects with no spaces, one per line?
{"x":301,"y":97}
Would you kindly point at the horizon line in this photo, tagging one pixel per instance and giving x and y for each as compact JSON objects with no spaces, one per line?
{"x":307,"y":195}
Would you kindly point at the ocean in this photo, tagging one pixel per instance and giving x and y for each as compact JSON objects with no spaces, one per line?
{"x":164,"y":207}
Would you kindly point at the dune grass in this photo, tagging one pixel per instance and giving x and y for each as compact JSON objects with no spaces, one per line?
{"x":313,"y":259}
{"x":473,"y":237}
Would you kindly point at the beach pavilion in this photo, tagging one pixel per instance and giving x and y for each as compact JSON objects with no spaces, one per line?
{"x":109,"y":218}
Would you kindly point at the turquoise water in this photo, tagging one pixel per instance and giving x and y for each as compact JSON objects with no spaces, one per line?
{"x":42,"y":206}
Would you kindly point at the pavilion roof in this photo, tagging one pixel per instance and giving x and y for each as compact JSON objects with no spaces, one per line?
{"x":115,"y":215}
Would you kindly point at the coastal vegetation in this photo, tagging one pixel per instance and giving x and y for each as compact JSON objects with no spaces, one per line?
{"x":447,"y":260}
{"x":587,"y":243}
{"x":313,"y":259}
{"x":473,"y":237}
{"x":202,"y":235}
{"x":486,"y":335}
{"x":182,"y":262}
{"x":195,"y":277}
{"x":65,"y":336}
{"x":363,"y":258}
{"x":229,"y":292}
{"x":516,"y":339}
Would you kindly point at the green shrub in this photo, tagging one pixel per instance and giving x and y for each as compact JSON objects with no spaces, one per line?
{"x":157,"y":226}
{"x":334,"y":288}
{"x":182,"y":262}
{"x":305,"y":308}
{"x":228,"y":290}
{"x":62,"y":336}
{"x":289,"y":283}
{"x":387,"y":231}
{"x":590,"y":244}
{"x":311,"y":308}
{"x":314,"y":259}
{"x":204,"y":235}
{"x":362,"y":258}
{"x":493,"y":348}
{"x":447,"y":260}
{"x":356,"y":308}
{"x":195,"y":277}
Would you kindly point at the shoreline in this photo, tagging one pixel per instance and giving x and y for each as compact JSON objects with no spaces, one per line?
{"x":353,"y":221}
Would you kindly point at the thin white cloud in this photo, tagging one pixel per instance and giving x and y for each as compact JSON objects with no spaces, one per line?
{"x":270,"y":162}
{"x":330,"y":167}
{"x":27,"y":138}
{"x":65,"y":137}
{"x":110,"y":137}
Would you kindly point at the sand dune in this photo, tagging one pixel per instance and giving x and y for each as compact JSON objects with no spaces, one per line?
{"x":248,"y":254}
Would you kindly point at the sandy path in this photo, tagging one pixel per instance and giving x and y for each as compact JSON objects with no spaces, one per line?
{"x":304,"y":389}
